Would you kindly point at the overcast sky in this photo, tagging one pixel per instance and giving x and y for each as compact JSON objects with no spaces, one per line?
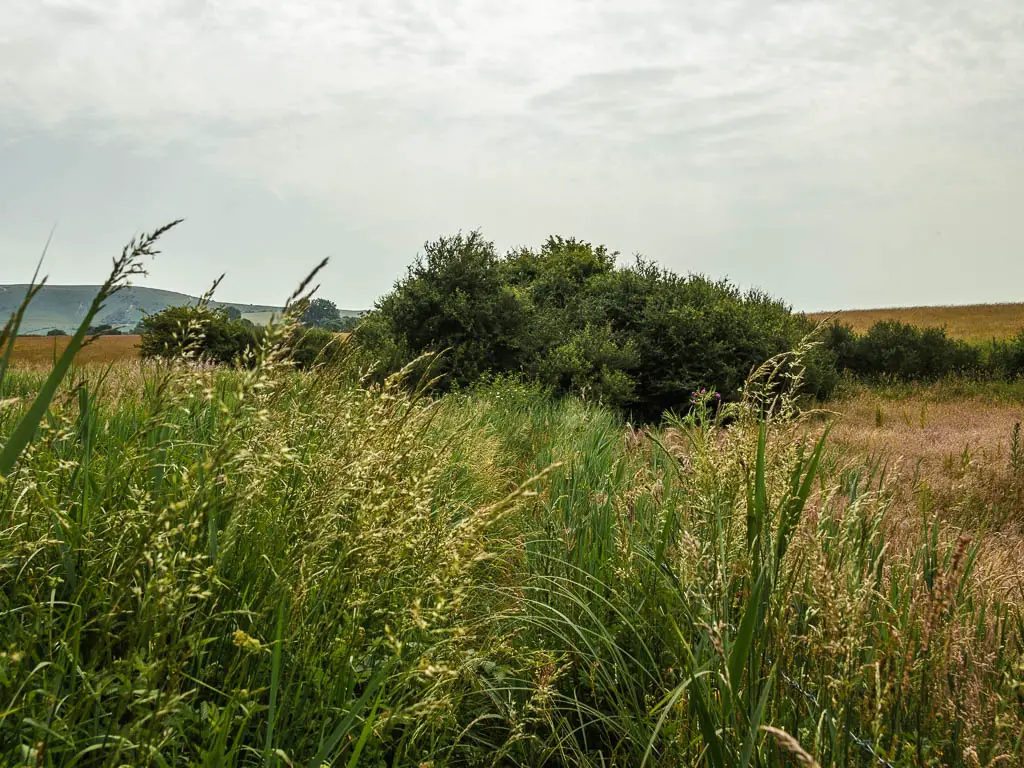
{"x":839,"y":153}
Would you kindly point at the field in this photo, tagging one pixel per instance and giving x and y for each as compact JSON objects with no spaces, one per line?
{"x":949,"y":453}
{"x":976,"y":323}
{"x":40,"y":350}
{"x":262,"y":567}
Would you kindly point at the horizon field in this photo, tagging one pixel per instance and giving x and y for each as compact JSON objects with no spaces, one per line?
{"x":970,"y":322}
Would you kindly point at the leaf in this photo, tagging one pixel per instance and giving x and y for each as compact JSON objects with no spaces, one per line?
{"x":745,"y":637}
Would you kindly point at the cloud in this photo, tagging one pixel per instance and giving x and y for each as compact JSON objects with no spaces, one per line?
{"x":216,"y":69}
{"x":401,"y":112}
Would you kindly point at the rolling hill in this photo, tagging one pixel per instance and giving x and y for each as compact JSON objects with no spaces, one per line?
{"x":64,"y":306}
{"x":970,"y":322}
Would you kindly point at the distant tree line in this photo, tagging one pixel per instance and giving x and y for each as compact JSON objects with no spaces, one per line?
{"x":903,"y":352}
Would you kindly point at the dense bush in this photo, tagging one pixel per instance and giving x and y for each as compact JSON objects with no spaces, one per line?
{"x":638,"y":338}
{"x":211,"y":335}
{"x":1006,"y":358}
{"x":901,"y":352}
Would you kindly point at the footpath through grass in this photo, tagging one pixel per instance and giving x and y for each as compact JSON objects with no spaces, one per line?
{"x":204,"y":567}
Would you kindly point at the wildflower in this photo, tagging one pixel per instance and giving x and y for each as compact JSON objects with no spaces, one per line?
{"x":246,"y":642}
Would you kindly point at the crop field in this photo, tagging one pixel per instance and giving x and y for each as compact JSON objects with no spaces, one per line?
{"x":40,"y":350}
{"x":263,"y":567}
{"x":976,"y":323}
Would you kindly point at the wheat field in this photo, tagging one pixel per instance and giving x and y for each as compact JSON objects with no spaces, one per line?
{"x":40,"y":350}
{"x":970,"y":322}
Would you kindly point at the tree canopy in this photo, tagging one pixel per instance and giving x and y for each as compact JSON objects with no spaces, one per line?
{"x":636,"y":337}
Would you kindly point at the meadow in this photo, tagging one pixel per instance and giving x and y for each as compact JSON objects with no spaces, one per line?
{"x":263,"y":567}
{"x":976,"y":323}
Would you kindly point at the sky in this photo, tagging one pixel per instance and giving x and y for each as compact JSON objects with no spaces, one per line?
{"x":837,"y":153}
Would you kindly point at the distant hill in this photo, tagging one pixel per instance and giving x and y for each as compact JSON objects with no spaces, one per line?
{"x":971,"y":322}
{"x":64,"y":307}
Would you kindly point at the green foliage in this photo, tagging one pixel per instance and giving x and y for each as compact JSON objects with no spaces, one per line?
{"x":454,"y":298}
{"x":252,"y":566}
{"x":209,"y":335}
{"x":313,"y":346}
{"x":322,"y":313}
{"x":1006,"y":358}
{"x":197,"y":331}
{"x":56,"y":332}
{"x":638,"y":338}
{"x":903,"y":352}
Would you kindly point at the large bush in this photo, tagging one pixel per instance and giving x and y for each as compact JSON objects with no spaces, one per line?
{"x":208,"y":334}
{"x":895,"y":350}
{"x":638,"y":338}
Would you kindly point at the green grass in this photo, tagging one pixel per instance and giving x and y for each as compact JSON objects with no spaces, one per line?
{"x":261,"y":567}
{"x":237,"y":568}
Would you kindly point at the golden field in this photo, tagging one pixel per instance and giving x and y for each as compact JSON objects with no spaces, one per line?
{"x":31,"y":350}
{"x":971,"y":322}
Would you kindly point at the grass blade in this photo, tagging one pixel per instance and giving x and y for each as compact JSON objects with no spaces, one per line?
{"x":275,"y":682}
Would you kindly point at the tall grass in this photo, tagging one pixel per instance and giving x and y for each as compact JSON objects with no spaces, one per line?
{"x":203,"y":566}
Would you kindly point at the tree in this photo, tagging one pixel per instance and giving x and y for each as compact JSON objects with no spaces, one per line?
{"x":321,"y":313}
{"x":56,"y":332}
{"x":455,"y":299}
{"x":211,"y":335}
{"x":639,"y":338}
{"x":207,"y":333}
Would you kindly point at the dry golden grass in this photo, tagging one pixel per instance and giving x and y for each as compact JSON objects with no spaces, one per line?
{"x":950,"y":460}
{"x":39,"y":350}
{"x":978,"y":322}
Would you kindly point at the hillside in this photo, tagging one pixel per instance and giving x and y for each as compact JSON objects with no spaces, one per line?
{"x":64,"y":306}
{"x":971,"y":322}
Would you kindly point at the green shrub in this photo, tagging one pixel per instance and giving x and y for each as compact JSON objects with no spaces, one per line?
{"x":454,"y":298}
{"x":903,"y":352}
{"x":210,"y":335}
{"x":197,"y":331}
{"x":1006,"y":358}
{"x":313,"y":346}
{"x":640,"y":339}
